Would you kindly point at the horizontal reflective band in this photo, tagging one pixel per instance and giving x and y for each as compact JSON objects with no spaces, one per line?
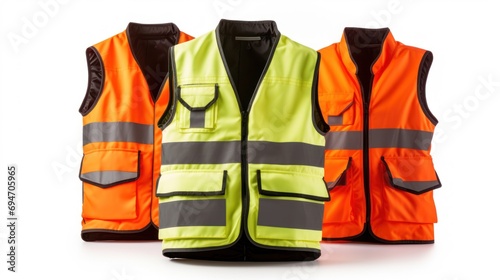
{"x":290,"y":214}
{"x":344,"y":140}
{"x":288,"y":153}
{"x":201,"y":152}
{"x":108,"y":178}
{"x":206,"y":212}
{"x":379,"y":138}
{"x":416,"y":186}
{"x":117,"y":132}
{"x":400,"y":138}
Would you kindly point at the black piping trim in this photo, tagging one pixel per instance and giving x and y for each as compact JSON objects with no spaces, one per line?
{"x":104,"y":186}
{"x":101,"y":87}
{"x":374,"y":239}
{"x":289,"y":194}
{"x":185,"y":104}
{"x":193,"y":193}
{"x":423,"y":72}
{"x":405,"y":189}
{"x":168,"y":115}
{"x":317,"y":117}
{"x":107,"y":234}
{"x":343,"y":175}
{"x":204,"y":249}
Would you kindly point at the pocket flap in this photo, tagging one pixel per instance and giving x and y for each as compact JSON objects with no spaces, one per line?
{"x":338,"y":103}
{"x":107,"y":168}
{"x":335,"y":171}
{"x":198,"y":97}
{"x":412,"y":174}
{"x":192,"y":183}
{"x":282,"y":183}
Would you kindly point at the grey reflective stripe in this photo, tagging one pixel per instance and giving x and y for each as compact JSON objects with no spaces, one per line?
{"x":400,"y":138}
{"x":287,"y":153}
{"x":344,"y":140}
{"x":197,"y":119}
{"x":201,"y":152}
{"x":290,"y":214}
{"x":108,"y":177}
{"x":416,"y":186}
{"x":335,"y":120}
{"x":207,"y":212}
{"x":117,"y":132}
{"x":379,"y":138}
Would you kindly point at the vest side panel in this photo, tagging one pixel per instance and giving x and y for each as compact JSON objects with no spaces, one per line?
{"x":397,"y":117}
{"x":340,"y":98}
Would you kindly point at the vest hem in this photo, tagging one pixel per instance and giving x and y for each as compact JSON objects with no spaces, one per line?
{"x":150,"y":232}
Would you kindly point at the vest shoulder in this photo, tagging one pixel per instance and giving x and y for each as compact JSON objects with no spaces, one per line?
{"x":196,"y":43}
{"x":402,"y":48}
{"x":291,"y":44}
{"x":106,"y":45}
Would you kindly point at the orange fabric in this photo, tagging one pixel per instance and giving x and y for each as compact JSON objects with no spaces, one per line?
{"x":386,"y":211}
{"x":131,"y":206}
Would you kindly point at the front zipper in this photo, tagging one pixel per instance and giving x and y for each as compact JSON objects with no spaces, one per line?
{"x":366,"y":157}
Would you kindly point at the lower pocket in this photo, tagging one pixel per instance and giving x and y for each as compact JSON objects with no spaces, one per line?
{"x":339,"y":209}
{"x":290,"y":205}
{"x":408,"y":185}
{"x":192,"y":204}
{"x":110,"y":184}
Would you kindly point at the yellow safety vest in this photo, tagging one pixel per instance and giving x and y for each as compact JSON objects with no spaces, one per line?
{"x":243,"y":148}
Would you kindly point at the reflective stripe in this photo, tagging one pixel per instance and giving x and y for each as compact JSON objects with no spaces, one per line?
{"x":290,"y":214}
{"x":108,"y":178}
{"x":335,"y":120}
{"x":207,"y":212}
{"x":400,"y":138}
{"x":288,"y":153}
{"x":230,"y":152}
{"x":344,"y":140}
{"x":197,"y":119}
{"x":379,"y":138}
{"x":117,"y":132}
{"x":416,"y":186}
{"x":201,"y":152}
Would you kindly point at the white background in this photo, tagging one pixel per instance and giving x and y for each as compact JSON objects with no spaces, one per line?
{"x":44,"y":77}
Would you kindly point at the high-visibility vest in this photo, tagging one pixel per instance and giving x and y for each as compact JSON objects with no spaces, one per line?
{"x":378,"y":165}
{"x":242,"y":167}
{"x":121,"y":161}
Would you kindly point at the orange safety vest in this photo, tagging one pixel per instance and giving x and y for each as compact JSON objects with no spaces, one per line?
{"x":125,"y":98}
{"x":378,"y":165}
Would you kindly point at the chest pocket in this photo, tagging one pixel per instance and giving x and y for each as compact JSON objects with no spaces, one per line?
{"x":197,"y":111}
{"x":339,"y":108}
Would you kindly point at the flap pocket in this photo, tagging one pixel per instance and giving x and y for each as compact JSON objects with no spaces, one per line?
{"x":412,"y":174}
{"x":192,"y":183}
{"x":107,"y":168}
{"x":282,"y":183}
{"x":197,"y":110}
{"x":336,"y":171}
{"x":110,"y":184}
{"x":339,"y":108}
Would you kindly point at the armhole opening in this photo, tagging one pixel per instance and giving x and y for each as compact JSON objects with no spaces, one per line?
{"x":169,"y":113}
{"x":95,"y":84}
{"x":317,"y":117}
{"x":423,"y":72}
